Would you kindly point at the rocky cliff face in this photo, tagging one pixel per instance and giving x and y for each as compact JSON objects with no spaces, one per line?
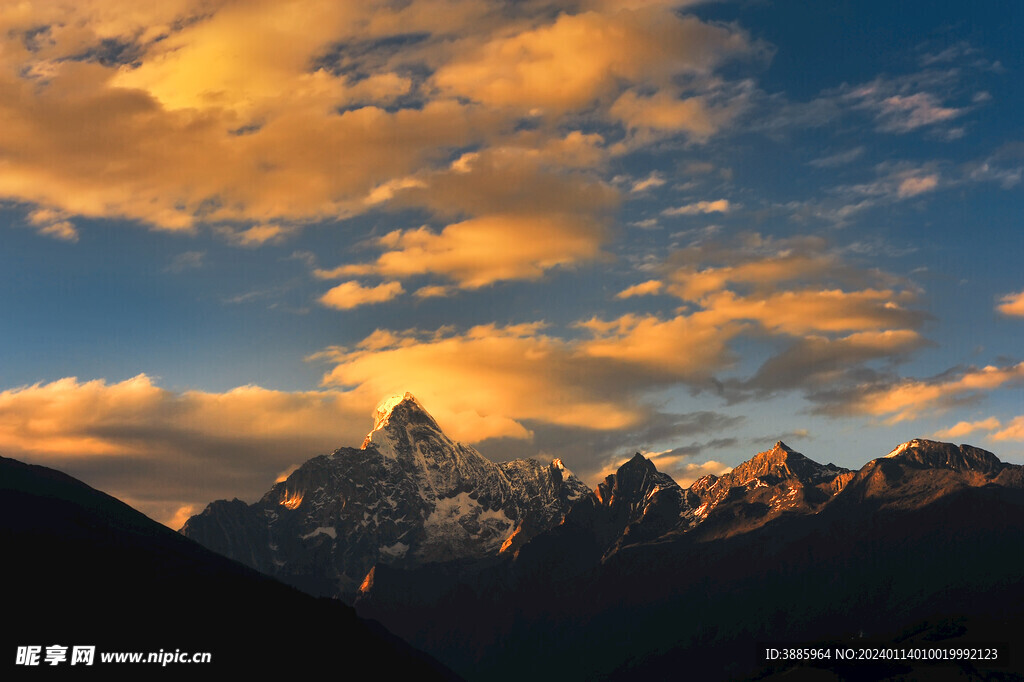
{"x":921,"y":471}
{"x":408,"y":496}
{"x":638,"y":504}
{"x":645,"y":578}
{"x":764,"y":487}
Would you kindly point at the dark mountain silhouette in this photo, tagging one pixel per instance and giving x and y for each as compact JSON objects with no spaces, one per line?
{"x":842,"y":560}
{"x":82,"y":568}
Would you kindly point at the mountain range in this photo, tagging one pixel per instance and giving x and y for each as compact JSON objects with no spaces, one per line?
{"x":503,"y":570}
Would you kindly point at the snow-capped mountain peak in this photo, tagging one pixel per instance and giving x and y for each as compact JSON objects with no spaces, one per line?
{"x":392,"y":419}
{"x":384,"y":409}
{"x":410,"y":495}
{"x":938,"y":455}
{"x":902,"y":447}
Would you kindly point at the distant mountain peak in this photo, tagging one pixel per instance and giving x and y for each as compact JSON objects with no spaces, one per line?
{"x":638,"y":462}
{"x":635,"y":480}
{"x":768,"y":484}
{"x":559,"y":466}
{"x":782,"y":462}
{"x":903,"y":447}
{"x":940,"y":455}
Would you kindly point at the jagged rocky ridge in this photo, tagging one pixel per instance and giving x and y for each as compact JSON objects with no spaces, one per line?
{"x":410,"y":496}
{"x":638,"y":504}
{"x":919,"y":547}
{"x":407,"y":497}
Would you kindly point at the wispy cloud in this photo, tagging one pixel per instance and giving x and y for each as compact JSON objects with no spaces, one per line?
{"x":933,"y":99}
{"x":352,"y":294}
{"x":699,"y":207}
{"x":655,"y":179}
{"x":53,"y":223}
{"x":257,"y":235}
{"x":904,"y":113}
{"x":838,"y":159}
{"x":188,"y":260}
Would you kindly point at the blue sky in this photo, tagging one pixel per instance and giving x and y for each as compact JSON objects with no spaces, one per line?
{"x":573,"y":229}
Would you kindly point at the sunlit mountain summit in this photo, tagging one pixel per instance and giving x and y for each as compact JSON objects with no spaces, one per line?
{"x":408,"y":496}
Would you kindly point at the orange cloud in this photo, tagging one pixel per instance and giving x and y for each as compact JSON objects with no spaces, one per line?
{"x":791,"y":286}
{"x":717,"y":206}
{"x":686,"y":347}
{"x":123,"y":155}
{"x":1012,"y":304}
{"x":526,"y":217}
{"x":241,"y":115}
{"x":752,"y":261}
{"x":808,"y":311}
{"x":350,"y":295}
{"x":433,"y":291}
{"x":53,"y":224}
{"x":691,"y":284}
{"x":96,"y":418}
{"x":655,"y":179}
{"x":831,"y":330}
{"x":914,"y":185}
{"x":488,"y":249}
{"x":648,"y":288}
{"x":1014,"y":430}
{"x":834,"y":317}
{"x":580,"y":59}
{"x":664,"y":112}
{"x":909,"y":398}
{"x":961,"y":429}
{"x":258,"y":235}
{"x":183,"y":514}
{"x":482,"y":383}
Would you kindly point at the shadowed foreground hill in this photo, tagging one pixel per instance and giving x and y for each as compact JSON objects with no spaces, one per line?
{"x":82,"y":568}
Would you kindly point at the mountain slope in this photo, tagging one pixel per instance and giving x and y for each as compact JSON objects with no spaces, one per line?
{"x":85,"y":569}
{"x":777,"y":481}
{"x":639,"y":504}
{"x":942,"y":570}
{"x":409,"y":496}
{"x":920,"y":471}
